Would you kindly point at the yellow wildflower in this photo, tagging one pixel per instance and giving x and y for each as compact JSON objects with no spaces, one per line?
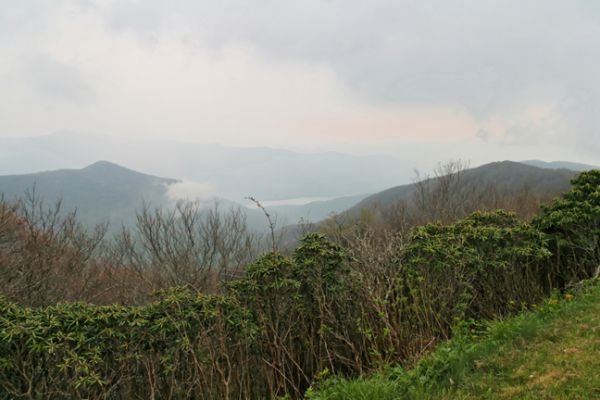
{"x":568,"y":297}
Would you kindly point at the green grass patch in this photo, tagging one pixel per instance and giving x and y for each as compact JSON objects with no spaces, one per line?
{"x":551,"y":352}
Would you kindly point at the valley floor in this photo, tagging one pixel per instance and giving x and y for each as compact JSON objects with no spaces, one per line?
{"x":552,"y":352}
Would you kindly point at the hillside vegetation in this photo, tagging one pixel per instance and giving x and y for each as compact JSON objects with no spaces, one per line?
{"x":551,"y":352}
{"x":489,"y":186}
{"x":284,"y":321}
{"x":452,"y":192}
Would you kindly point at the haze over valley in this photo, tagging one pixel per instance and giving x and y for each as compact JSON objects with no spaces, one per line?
{"x":107,"y":192}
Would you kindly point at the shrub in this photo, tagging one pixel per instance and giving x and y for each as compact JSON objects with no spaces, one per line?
{"x":479,"y":267}
{"x":180,"y":346}
{"x":304,"y":310}
{"x":572,"y":223}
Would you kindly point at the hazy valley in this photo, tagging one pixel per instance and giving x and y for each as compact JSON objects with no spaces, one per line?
{"x":105,"y":191}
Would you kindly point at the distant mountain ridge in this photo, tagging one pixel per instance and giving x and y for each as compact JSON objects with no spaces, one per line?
{"x":99,"y":192}
{"x":232,"y":172}
{"x":573,"y":166}
{"x":105,"y":191}
{"x":507,"y":176}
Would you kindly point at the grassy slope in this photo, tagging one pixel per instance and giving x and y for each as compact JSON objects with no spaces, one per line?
{"x":549,"y":353}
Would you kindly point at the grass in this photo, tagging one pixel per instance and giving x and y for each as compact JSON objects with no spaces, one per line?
{"x":551,"y":352}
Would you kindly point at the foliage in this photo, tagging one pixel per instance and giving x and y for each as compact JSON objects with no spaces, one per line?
{"x":303,"y":307}
{"x":292,"y":319}
{"x":572,"y":222}
{"x":484,"y":265}
{"x":172,"y":348}
{"x":549,"y":352}
{"x":271,"y":333}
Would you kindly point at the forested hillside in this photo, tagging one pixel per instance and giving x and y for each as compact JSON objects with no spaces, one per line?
{"x":100,"y":192}
{"x":486,"y":186}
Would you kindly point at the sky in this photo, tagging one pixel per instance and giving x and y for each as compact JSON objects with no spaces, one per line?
{"x":479,"y":80}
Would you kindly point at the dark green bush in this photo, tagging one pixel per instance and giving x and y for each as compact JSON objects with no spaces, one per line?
{"x":304,"y":310}
{"x":180,"y":346}
{"x":484,"y":265}
{"x":572,"y":224}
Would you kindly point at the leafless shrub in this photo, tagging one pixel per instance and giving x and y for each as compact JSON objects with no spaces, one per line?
{"x":45,"y":254}
{"x":186,"y":246}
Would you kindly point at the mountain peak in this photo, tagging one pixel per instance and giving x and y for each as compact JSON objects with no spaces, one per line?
{"x":104,"y":165}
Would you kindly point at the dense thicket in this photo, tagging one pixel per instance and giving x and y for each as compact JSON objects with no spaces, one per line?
{"x":291,"y":318}
{"x":572,"y":225}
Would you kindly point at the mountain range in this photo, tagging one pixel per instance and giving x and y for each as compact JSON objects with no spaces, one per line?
{"x":216,"y":170}
{"x":105,"y":191}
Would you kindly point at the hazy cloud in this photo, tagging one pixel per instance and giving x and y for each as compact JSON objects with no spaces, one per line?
{"x":191,"y":191}
{"x":56,"y":81}
{"x":310,"y":73}
{"x":483,"y":134}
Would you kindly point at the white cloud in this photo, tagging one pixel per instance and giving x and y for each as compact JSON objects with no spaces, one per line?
{"x":191,"y":191}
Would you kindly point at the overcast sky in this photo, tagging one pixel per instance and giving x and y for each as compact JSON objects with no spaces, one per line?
{"x":479,"y":79}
